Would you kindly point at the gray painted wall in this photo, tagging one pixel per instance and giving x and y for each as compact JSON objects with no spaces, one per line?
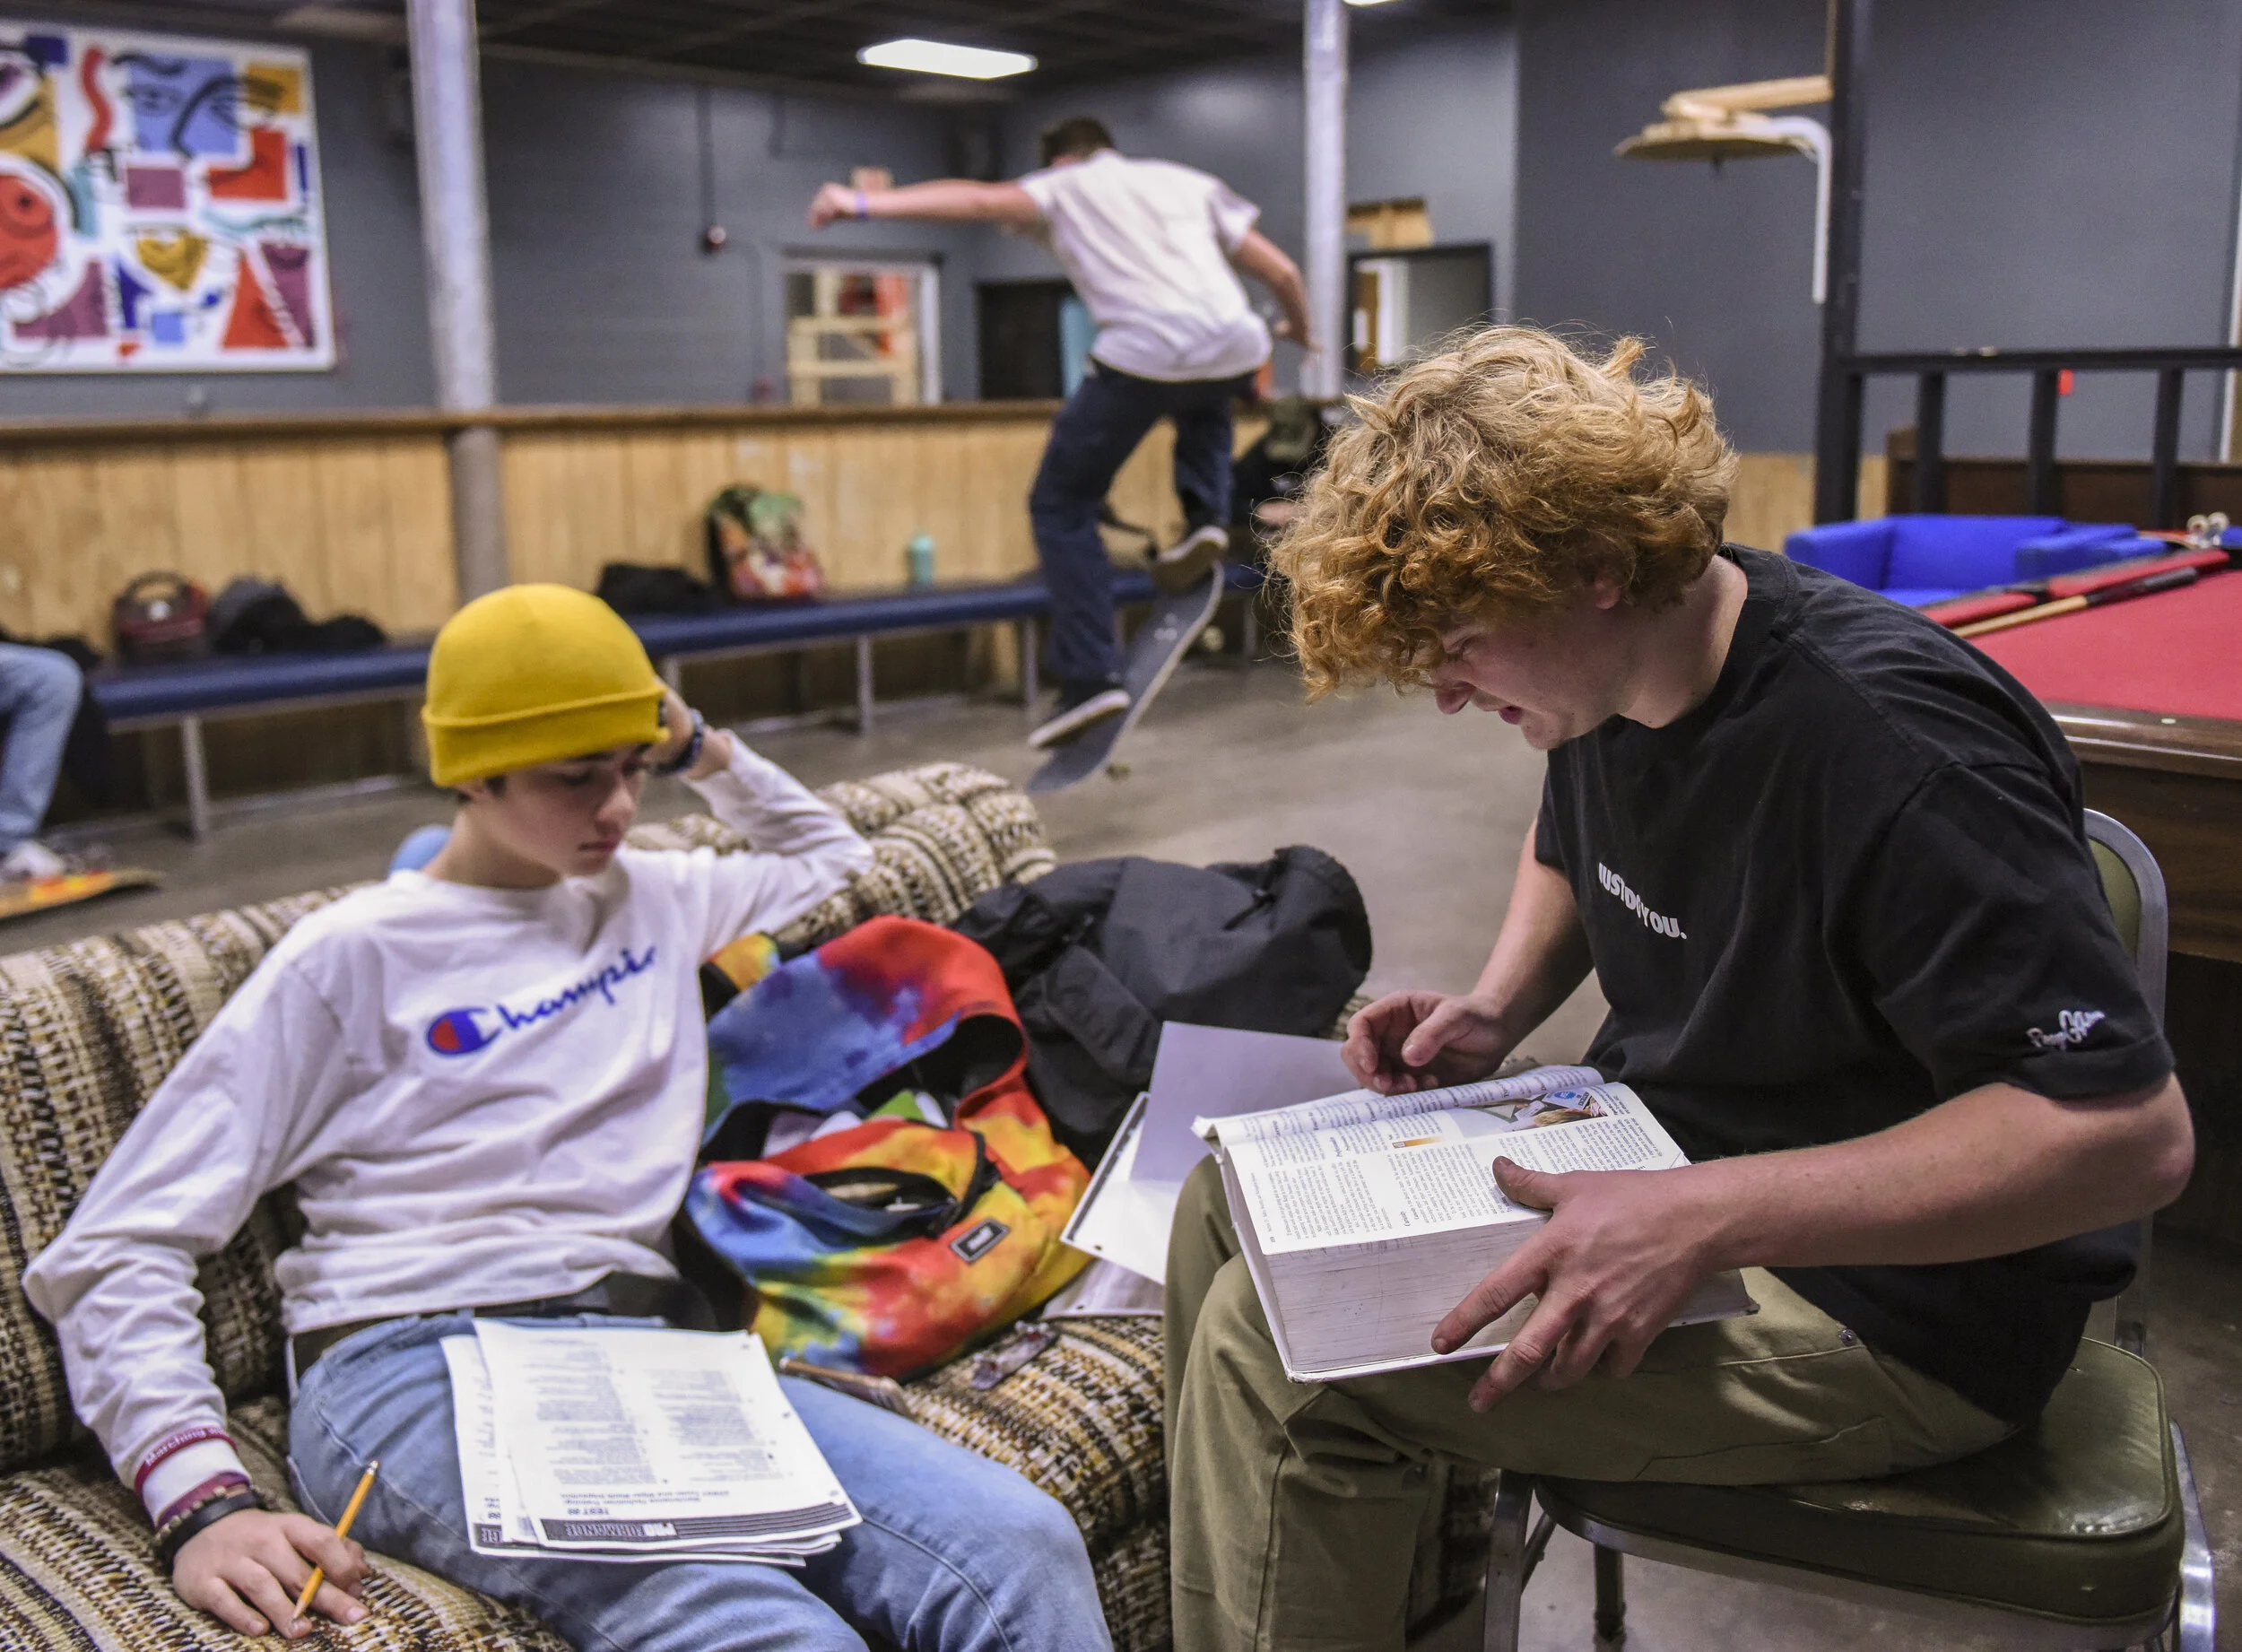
{"x":1437,"y":116}
{"x":604,"y":294}
{"x":2061,"y":172}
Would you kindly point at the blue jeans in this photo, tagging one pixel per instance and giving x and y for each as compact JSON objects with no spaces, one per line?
{"x":38,"y":696}
{"x":956,"y":1554}
{"x":1109,"y":413}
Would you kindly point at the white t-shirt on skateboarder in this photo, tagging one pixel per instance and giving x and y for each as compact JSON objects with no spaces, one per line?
{"x":1147,"y":244}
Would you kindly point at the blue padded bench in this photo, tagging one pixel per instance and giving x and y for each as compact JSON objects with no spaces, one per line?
{"x":673,"y":639}
{"x":185,"y":692}
{"x":1928,"y":559}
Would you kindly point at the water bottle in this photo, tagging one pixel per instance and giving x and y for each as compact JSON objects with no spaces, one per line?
{"x":920,"y":555}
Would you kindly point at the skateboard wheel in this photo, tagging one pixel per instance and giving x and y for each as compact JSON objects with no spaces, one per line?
{"x":1210,"y":639}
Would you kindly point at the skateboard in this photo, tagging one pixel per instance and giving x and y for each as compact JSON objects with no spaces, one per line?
{"x":1164,"y":638}
{"x":23,"y":896}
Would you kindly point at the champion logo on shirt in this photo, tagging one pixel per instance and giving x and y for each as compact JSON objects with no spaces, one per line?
{"x":464,"y":1032}
{"x":1658,"y":923}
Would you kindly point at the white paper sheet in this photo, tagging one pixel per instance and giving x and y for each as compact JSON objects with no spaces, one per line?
{"x":1121,"y":1220}
{"x":495,"y":1522}
{"x":623,"y":1438}
{"x":1218,"y":1073}
{"x":1107,"y":1291}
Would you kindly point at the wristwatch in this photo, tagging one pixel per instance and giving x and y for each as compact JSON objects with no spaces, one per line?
{"x":690,"y":755}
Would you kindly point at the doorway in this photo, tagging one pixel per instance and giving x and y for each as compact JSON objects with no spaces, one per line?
{"x":1406,"y":302}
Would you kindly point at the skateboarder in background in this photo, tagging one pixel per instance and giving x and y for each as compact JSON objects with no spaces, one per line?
{"x":1155,"y":250}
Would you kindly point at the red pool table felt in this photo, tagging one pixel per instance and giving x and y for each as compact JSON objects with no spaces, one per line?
{"x":2178,"y":652}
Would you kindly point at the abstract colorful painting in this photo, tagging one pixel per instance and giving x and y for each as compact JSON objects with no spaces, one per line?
{"x":160,"y":205}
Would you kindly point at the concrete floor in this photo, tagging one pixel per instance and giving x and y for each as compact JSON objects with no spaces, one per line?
{"x":1428,"y":814}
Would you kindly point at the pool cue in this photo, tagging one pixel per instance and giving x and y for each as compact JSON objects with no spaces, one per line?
{"x":342,"y":1529}
{"x":2171,"y":579}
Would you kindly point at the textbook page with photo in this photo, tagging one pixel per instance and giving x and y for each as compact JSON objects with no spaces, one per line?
{"x":622,"y":1443}
{"x":1365,"y":1218}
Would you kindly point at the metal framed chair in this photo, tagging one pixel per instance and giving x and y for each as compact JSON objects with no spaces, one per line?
{"x":2080,"y":1534}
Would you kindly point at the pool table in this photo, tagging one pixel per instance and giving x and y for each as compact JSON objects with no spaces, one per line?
{"x":2150,"y":692}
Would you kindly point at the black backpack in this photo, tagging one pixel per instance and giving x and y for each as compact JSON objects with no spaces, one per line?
{"x":1100,"y":952}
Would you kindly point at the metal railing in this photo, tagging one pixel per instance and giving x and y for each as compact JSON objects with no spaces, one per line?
{"x":1838,"y":440}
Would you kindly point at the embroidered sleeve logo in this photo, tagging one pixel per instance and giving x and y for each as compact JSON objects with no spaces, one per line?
{"x":2071,"y":1026}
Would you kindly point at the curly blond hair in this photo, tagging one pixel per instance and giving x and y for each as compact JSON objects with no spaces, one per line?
{"x":1494,"y":480}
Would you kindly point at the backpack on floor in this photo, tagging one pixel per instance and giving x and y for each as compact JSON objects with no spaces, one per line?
{"x":888,"y":1244}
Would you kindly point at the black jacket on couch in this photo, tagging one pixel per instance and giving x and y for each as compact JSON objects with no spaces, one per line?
{"x":1097,"y":953}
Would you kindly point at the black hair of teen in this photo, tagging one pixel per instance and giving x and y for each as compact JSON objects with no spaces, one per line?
{"x":1076,"y":137}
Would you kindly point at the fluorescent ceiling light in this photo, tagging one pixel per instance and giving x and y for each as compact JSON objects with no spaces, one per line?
{"x":1366,"y":2}
{"x":971,"y":63}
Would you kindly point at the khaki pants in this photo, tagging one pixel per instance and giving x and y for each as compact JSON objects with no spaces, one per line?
{"x":1294,"y":1507}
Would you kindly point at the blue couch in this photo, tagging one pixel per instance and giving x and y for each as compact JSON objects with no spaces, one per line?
{"x":1926,"y":559}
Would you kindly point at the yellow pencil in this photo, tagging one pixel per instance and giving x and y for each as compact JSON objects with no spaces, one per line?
{"x":342,"y":1529}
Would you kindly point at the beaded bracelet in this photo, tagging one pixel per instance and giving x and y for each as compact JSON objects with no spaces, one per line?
{"x":173,"y":1537}
{"x":216,"y":1485}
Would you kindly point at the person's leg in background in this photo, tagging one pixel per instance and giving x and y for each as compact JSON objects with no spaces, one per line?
{"x":39,"y":694}
{"x":1090,"y":440}
{"x":1294,"y":1507}
{"x":1204,"y":434}
{"x":956,"y":1554}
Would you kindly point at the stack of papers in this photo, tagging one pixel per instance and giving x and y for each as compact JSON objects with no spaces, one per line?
{"x":629,"y":1444}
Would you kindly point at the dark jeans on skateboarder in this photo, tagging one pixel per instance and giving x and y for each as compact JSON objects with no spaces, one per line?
{"x":1090,"y":440}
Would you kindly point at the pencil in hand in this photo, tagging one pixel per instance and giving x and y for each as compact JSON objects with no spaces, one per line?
{"x":342,"y":1529}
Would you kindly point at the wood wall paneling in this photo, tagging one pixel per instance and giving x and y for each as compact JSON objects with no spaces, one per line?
{"x":354,"y":516}
{"x":1773,"y":497}
{"x":357,"y":524}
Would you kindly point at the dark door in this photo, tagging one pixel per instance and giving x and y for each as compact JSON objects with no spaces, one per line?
{"x":1020,"y":355}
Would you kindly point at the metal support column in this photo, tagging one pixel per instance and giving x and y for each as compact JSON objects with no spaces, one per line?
{"x":864,"y":685}
{"x":456,"y":232}
{"x":2165,"y":463}
{"x":197,"y":776}
{"x":2041,"y":495}
{"x":1330,"y":306}
{"x":1930,"y":443}
{"x":1838,"y":398}
{"x":1031,"y":688}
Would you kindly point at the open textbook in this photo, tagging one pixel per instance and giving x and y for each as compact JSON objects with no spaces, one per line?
{"x":1365,"y":1218}
{"x":622,"y":1443}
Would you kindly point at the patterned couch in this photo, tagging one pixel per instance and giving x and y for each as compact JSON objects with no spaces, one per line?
{"x":88,"y":1029}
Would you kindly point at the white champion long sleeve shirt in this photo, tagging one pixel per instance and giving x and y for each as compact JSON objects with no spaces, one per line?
{"x":480,"y":1095}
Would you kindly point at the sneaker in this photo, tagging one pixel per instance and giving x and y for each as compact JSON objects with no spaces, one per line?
{"x":30,"y":860}
{"x":1182,"y":565}
{"x":1078,"y":709}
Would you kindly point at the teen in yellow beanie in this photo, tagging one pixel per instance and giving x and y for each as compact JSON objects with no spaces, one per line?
{"x":545,"y":715}
{"x":533,"y":673}
{"x":486,"y":1081}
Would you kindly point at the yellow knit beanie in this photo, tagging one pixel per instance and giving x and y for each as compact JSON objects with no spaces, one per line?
{"x":535,"y":674}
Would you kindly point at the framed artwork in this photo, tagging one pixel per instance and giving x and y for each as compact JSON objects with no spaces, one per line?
{"x":160,"y":205}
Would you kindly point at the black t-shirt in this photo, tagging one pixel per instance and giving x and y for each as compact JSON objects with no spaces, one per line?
{"x":1852,"y":885}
